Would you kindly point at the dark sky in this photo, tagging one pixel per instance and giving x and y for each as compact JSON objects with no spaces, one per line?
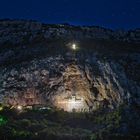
{"x":107,"y":13}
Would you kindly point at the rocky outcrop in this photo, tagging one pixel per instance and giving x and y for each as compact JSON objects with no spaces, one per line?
{"x":52,"y":81}
{"x":41,"y":69}
{"x":17,"y":31}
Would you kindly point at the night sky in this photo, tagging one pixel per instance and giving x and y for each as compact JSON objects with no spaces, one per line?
{"x":116,"y":14}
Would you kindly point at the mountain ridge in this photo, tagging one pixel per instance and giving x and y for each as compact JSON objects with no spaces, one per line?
{"x":20,"y":30}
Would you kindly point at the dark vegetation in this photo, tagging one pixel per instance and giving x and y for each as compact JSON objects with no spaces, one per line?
{"x":52,"y":124}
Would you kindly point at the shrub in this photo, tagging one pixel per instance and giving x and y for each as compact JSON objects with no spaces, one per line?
{"x":3,"y":120}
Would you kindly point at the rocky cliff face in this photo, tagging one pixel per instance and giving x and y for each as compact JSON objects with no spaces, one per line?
{"x":51,"y":81}
{"x":19,"y":31}
{"x":100,"y":74}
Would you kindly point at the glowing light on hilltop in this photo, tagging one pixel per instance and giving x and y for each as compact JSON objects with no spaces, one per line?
{"x":74,"y":46}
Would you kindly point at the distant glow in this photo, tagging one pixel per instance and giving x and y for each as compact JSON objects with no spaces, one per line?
{"x":1,"y":108}
{"x":74,"y":46}
{"x":19,"y":107}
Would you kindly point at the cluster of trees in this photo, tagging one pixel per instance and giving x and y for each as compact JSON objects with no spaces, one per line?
{"x":55,"y":124}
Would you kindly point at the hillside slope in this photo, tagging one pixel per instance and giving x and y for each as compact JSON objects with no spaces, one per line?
{"x":98,"y":84}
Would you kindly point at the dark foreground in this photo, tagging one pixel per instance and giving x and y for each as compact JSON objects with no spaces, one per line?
{"x":51,"y":124}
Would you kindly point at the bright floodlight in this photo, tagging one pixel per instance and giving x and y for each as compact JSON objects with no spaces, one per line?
{"x":74,"y":46}
{"x":19,"y":107}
